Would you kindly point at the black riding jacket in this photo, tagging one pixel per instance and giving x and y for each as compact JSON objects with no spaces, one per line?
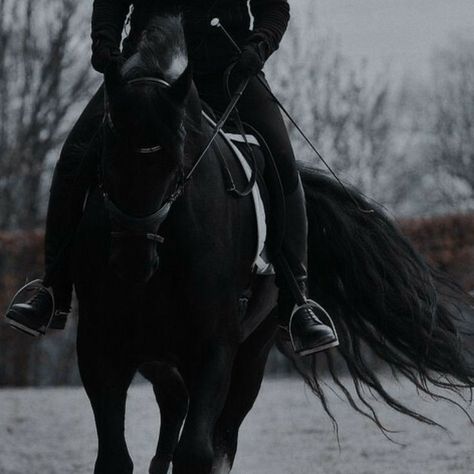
{"x":208,"y":49}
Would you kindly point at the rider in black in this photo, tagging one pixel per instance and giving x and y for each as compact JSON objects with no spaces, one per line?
{"x":210,"y":55}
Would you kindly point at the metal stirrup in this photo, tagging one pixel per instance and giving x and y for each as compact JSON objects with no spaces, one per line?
{"x":38,"y":283}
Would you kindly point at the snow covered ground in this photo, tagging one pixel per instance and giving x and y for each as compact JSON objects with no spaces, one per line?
{"x":50,"y":431}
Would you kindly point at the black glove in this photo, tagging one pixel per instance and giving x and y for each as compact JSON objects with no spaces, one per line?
{"x":251,"y":60}
{"x":102,"y":54}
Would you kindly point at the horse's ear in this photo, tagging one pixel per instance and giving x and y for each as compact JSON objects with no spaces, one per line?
{"x":180,"y":88}
{"x":113,"y":75}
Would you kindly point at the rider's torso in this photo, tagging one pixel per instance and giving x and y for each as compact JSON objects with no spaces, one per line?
{"x":207,"y":48}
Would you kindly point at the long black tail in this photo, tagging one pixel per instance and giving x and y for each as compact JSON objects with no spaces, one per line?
{"x":382,"y":294}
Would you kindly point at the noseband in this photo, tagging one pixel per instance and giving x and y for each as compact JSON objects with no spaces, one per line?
{"x":139,"y":226}
{"x":147,"y":226}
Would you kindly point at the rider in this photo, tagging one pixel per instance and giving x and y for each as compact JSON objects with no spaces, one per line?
{"x":210,"y":56}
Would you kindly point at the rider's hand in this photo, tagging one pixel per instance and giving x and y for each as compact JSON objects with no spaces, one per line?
{"x":103,"y":55}
{"x":251,"y":60}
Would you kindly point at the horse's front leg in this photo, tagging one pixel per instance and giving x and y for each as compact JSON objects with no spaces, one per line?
{"x":172,"y":398}
{"x":106,"y":382}
{"x":247,"y":374}
{"x":210,"y":384}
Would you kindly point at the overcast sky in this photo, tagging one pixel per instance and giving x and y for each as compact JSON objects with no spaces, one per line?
{"x":402,"y":33}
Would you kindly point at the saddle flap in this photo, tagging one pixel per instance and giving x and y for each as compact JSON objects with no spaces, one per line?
{"x":261,"y":261}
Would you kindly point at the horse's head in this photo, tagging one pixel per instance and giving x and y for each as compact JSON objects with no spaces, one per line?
{"x":143,"y":153}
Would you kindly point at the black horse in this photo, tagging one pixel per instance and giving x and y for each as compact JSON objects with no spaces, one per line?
{"x":192,"y":314}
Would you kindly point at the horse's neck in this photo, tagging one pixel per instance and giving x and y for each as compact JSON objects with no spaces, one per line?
{"x":203,"y":196}
{"x":193,"y":117}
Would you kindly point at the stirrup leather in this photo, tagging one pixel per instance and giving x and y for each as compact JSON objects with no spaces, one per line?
{"x":312,"y":304}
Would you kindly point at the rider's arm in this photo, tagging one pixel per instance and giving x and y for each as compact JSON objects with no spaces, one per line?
{"x":270,"y":22}
{"x":108,"y":18}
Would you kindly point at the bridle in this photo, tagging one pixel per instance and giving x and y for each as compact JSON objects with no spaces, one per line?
{"x":131,"y":223}
{"x":139,"y":226}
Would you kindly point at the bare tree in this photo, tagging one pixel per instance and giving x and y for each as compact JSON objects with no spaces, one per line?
{"x":449,"y":119}
{"x":44,"y":77}
{"x":350,"y":115}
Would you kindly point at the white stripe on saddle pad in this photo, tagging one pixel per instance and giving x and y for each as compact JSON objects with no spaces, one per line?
{"x":235,"y":137}
{"x":261,"y":262}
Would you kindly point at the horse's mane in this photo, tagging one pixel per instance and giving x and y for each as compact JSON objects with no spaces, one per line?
{"x":161,"y":51}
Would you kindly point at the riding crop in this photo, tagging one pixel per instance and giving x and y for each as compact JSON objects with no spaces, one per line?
{"x":219,"y":125}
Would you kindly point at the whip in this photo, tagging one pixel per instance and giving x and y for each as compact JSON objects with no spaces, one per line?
{"x":235,"y":98}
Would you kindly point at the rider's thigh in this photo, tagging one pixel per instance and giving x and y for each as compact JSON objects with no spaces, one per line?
{"x":258,"y":108}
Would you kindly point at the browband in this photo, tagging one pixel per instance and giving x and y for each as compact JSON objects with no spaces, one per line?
{"x":154,"y":80}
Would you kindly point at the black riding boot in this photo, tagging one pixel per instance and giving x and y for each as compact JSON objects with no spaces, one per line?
{"x":309,"y":325}
{"x":50,"y":302}
{"x":49,"y":305}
